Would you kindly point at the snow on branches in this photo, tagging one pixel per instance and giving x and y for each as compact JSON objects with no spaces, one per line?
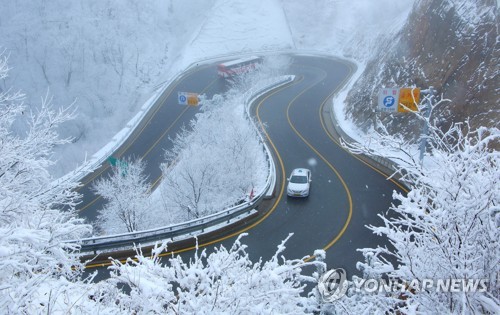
{"x":36,"y":215}
{"x":127,"y":193}
{"x":447,"y":226}
{"x":225,"y":281}
{"x":216,"y":164}
{"x":219,"y":160}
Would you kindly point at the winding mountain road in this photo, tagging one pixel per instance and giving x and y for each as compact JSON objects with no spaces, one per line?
{"x":346,"y":193}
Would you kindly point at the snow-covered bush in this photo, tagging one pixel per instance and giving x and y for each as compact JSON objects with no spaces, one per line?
{"x":447,"y":226}
{"x":127,"y":193}
{"x":220,"y":160}
{"x":35,"y":216}
{"x":225,"y":281}
{"x":216,"y":164}
{"x":108,"y":56}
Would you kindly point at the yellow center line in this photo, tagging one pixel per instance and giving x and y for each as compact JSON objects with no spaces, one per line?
{"x":348,"y":193}
{"x":158,"y":179}
{"x":323,"y":125}
{"x":151,"y":147}
{"x":90,"y":203}
{"x":153,"y":185}
{"x":281,"y":166}
{"x":171,"y":125}
{"x":163,"y":98}
{"x":282,"y":188}
{"x":106,"y":166}
{"x":164,"y":133}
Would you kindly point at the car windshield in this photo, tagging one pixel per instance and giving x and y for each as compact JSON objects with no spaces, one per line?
{"x":298,"y":179}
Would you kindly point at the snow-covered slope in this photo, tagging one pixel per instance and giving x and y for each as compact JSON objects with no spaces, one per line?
{"x":106,"y":56}
{"x":240,"y":27}
{"x":350,"y":28}
{"x":109,"y":56}
{"x":451,"y":45}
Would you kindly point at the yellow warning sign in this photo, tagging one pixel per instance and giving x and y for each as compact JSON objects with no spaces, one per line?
{"x":192,"y":99}
{"x":408,"y":99}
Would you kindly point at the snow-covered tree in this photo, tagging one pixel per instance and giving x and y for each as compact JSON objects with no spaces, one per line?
{"x":37,"y":214}
{"x":215,"y":164}
{"x":225,"y":281}
{"x":127,"y":192}
{"x":447,"y":225}
{"x":219,"y":159}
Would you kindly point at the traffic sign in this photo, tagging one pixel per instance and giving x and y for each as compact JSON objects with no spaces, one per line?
{"x":182,"y":99}
{"x":408,"y":99}
{"x":388,"y":100}
{"x":186,"y":98}
{"x":113,"y":161}
{"x":122,"y":165}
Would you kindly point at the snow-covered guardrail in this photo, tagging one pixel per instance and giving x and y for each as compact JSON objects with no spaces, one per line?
{"x":186,"y":229}
{"x":251,"y":96}
{"x":390,"y":165}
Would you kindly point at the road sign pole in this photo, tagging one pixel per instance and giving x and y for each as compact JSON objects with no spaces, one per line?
{"x":426,"y":112}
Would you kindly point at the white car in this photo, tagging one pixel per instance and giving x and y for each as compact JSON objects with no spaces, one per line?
{"x":299,"y":183}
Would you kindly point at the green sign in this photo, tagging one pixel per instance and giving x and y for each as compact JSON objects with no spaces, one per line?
{"x":119,"y":164}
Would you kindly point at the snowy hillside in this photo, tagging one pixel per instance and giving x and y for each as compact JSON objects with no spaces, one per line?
{"x":239,"y":27}
{"x":346,"y":28}
{"x":109,"y":57}
{"x":451,"y":45}
{"x":106,"y":57}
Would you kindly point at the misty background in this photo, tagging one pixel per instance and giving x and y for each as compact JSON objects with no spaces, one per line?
{"x":108,"y":57}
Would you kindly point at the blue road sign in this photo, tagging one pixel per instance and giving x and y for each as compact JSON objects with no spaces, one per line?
{"x":389,"y":101}
{"x":182,"y":98}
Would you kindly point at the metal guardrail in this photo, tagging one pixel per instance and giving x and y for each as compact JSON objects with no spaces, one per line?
{"x":388,"y":164}
{"x":385,"y":162}
{"x":118,"y":140}
{"x":107,"y":242}
{"x":252,"y":96}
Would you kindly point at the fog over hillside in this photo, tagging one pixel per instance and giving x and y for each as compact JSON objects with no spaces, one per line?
{"x":346,"y":28}
{"x":105,"y":56}
{"x":109,"y":57}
